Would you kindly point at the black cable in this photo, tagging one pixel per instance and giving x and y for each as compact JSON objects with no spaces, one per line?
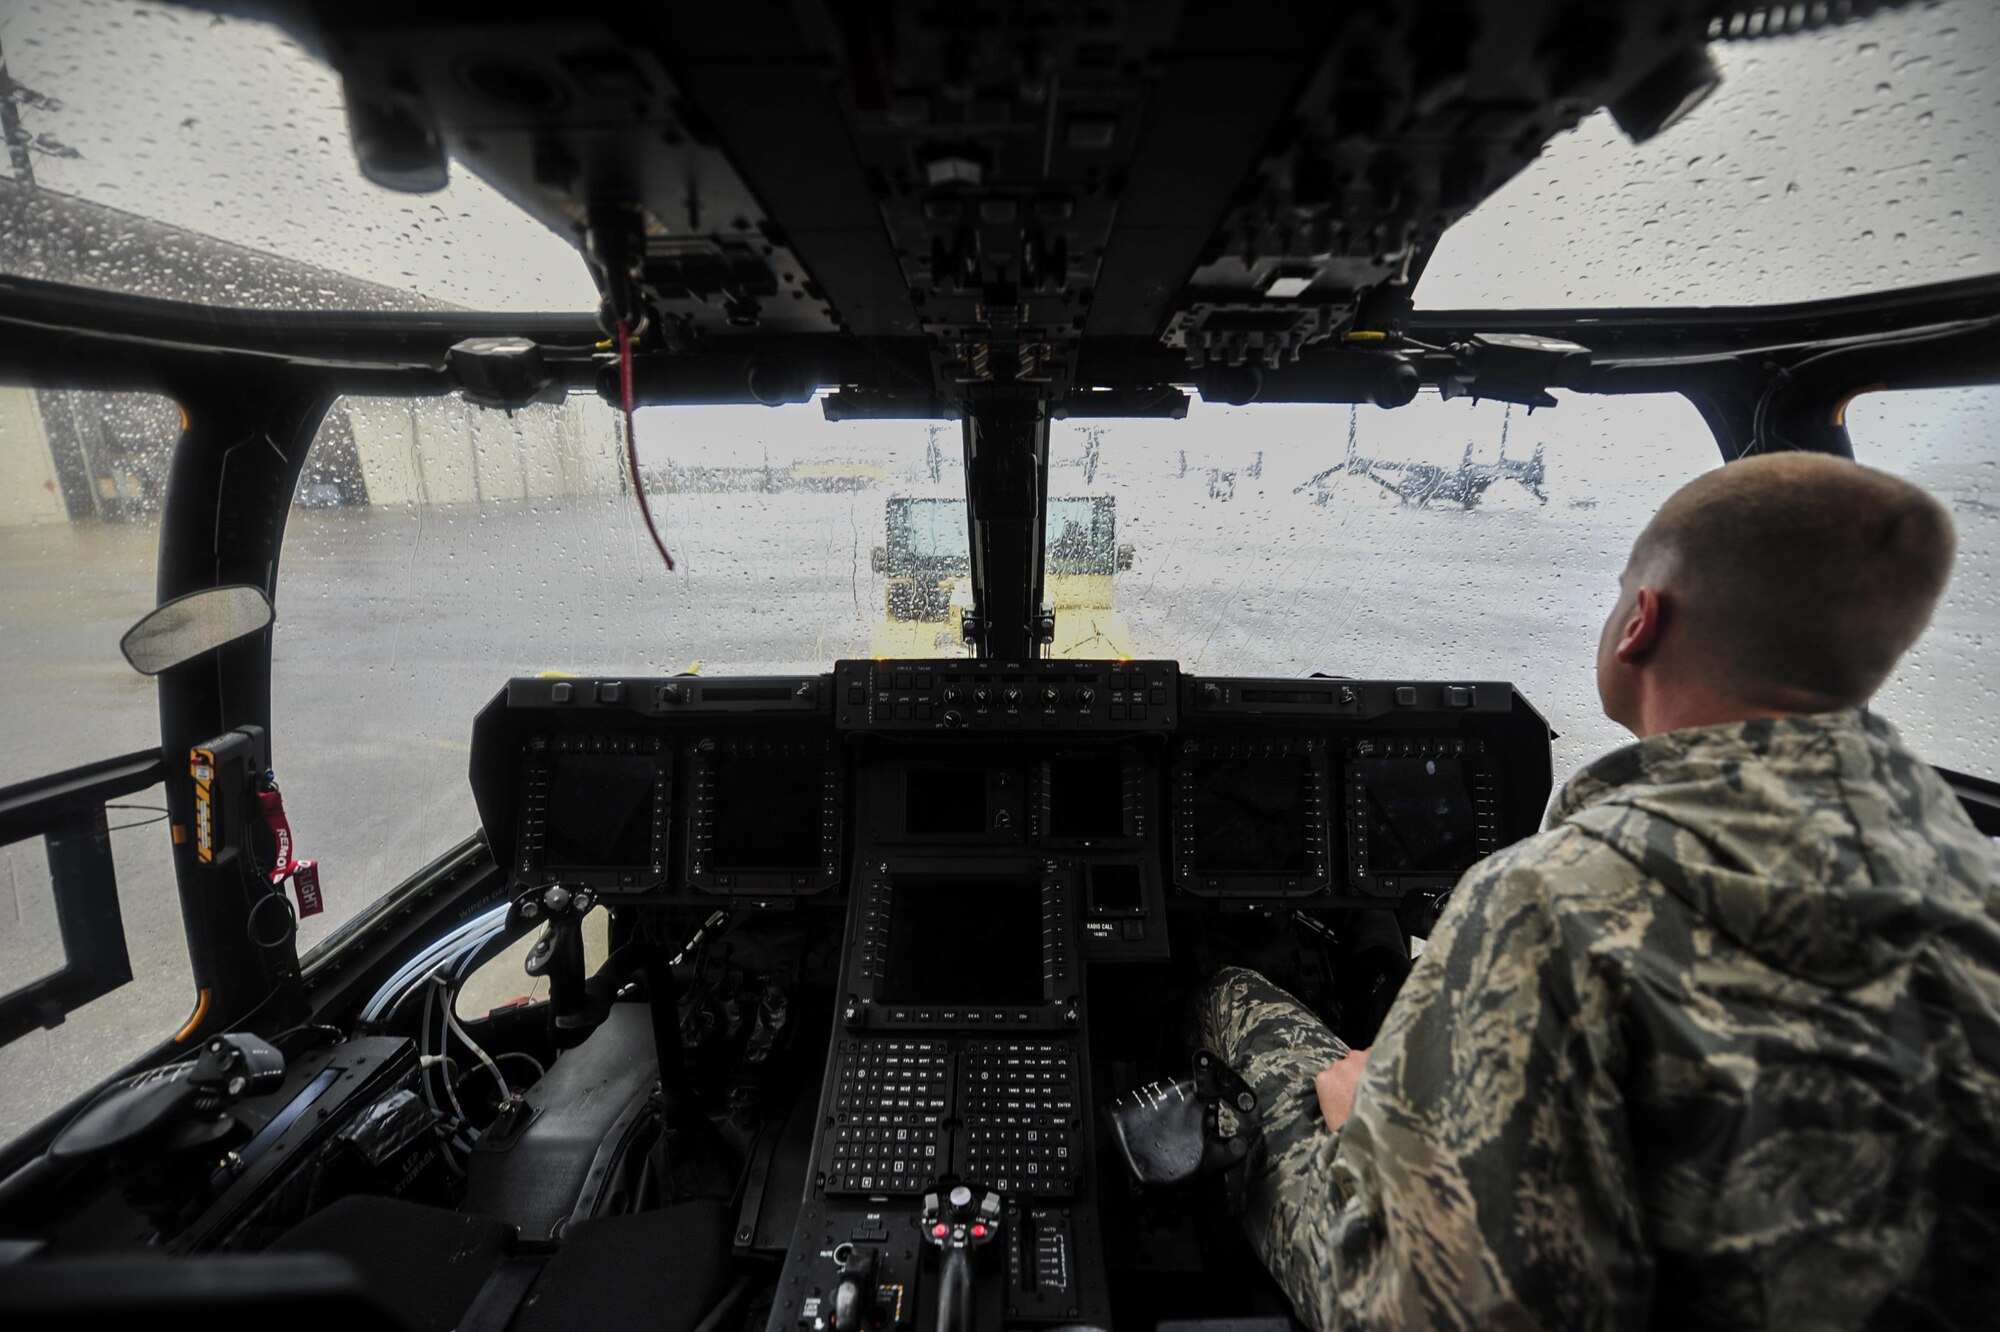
{"x":323,"y":1028}
{"x":158,"y":811}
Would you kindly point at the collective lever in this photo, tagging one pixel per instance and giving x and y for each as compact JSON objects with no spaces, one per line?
{"x":965,"y":1219}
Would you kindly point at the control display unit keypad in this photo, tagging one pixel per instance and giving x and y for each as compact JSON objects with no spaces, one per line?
{"x":1019,"y":1114}
{"x":889,"y":1107}
{"x":1002,"y":1111}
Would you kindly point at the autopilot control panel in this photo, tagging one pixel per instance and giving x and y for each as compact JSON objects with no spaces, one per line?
{"x":985,"y":833}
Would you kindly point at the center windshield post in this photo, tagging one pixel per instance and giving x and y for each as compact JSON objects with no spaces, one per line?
{"x":1006,"y":492}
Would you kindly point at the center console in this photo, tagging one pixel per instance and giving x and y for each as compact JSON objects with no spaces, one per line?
{"x":979,"y":836}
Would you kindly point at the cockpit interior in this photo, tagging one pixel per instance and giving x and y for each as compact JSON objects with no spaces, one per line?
{"x":851,"y":996}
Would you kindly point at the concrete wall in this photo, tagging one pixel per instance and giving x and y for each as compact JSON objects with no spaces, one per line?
{"x":445,"y":451}
{"x":30,"y":491}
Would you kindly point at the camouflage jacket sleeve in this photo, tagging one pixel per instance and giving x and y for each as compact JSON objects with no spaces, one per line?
{"x":1486,"y":1178}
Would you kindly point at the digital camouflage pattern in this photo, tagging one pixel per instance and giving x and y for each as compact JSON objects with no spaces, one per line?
{"x":1719,"y":1049}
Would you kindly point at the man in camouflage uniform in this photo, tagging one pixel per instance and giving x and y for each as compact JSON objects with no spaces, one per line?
{"x":1720,"y":1047}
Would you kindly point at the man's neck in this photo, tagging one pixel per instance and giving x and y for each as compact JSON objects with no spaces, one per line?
{"x":1666,"y":710}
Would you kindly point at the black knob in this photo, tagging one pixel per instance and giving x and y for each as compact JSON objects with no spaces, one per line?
{"x":951,"y":694}
{"x":953,"y":718}
{"x":1012,"y":693}
{"x":1052,"y":695}
{"x":1086,"y":695}
{"x":982,"y":695}
{"x":1211,"y":694}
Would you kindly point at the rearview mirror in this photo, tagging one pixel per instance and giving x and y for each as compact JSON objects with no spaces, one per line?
{"x":184,"y":628}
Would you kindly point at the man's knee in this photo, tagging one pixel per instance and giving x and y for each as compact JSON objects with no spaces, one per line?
{"x":1240,"y":1014}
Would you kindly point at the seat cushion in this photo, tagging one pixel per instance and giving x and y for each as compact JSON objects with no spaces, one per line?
{"x":425,"y":1263}
{"x":300,"y":1292}
{"x":662,"y":1270}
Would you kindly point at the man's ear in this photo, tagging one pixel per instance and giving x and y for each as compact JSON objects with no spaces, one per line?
{"x":1639,"y":636}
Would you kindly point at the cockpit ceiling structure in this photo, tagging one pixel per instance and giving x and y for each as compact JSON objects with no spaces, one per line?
{"x":1050,"y":201}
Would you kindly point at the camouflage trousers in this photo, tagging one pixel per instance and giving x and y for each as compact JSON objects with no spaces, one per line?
{"x":1277,"y":1046}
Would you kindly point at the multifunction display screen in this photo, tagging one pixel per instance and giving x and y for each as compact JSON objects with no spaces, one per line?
{"x":964,"y":941}
{"x":942,"y":801}
{"x":1116,"y":889}
{"x":768,"y":810}
{"x":1087,"y":795}
{"x":600,"y":812}
{"x":1250,"y":814}
{"x":1420,"y":814}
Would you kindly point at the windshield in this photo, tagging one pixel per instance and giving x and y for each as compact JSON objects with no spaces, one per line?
{"x":1852,"y":160}
{"x":172,"y":151}
{"x":436,"y":549}
{"x":178,"y":152}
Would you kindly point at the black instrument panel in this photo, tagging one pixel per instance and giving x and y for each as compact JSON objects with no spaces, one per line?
{"x":1311,"y":791}
{"x":978,"y":836}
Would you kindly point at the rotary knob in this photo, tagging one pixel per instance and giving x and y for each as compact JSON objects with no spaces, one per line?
{"x":1211,"y":694}
{"x":982,"y":695}
{"x":951,"y":694}
{"x":1012,"y":693}
{"x":952,"y":719}
{"x":1086,"y":696}
{"x":1052,"y":696}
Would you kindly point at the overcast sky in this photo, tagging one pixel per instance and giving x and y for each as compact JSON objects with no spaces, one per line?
{"x":1847,"y":161}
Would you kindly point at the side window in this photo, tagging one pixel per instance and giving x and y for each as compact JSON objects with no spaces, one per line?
{"x":1947,"y":441}
{"x":80,"y":483}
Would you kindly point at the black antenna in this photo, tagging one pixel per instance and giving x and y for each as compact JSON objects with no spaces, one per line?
{"x":10,"y":128}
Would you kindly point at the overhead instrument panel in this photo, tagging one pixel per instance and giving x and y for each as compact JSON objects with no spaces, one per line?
{"x":1082,"y":205}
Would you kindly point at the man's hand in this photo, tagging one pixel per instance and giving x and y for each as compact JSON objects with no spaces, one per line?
{"x":1336,"y":1085}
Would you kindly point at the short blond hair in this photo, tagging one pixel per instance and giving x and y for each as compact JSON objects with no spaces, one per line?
{"x":1800,"y":571}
